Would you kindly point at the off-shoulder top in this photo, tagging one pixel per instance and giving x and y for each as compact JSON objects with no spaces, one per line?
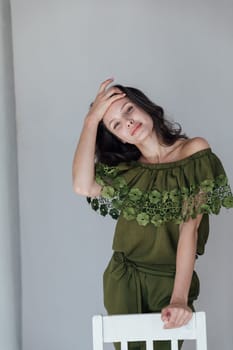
{"x":149,"y":202}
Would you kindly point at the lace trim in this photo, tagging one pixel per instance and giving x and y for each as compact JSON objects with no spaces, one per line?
{"x":157,"y":207}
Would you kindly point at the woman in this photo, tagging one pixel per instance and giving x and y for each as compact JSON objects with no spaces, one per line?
{"x":160,"y":185}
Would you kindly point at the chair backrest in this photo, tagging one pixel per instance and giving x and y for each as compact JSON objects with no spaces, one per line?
{"x":146,"y":327}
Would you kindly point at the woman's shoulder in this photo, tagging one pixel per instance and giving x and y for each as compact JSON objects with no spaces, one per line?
{"x":194,"y":145}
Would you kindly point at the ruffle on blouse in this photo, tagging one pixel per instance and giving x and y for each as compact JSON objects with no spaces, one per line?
{"x":166,"y":192}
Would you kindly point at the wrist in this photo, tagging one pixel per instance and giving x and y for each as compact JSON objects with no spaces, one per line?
{"x":179,"y":300}
{"x":91,"y":121}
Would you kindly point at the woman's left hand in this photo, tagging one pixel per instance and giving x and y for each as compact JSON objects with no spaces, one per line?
{"x":176,"y":315}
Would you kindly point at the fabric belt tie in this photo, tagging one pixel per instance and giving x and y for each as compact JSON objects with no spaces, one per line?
{"x":122,"y":267}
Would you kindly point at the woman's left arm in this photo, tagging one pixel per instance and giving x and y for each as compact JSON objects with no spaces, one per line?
{"x":178,"y":313}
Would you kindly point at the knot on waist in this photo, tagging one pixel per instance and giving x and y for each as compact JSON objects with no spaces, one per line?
{"x":121,"y":258}
{"x":121,"y":264}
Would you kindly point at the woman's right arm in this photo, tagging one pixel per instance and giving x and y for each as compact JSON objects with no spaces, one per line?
{"x":84,"y":159}
{"x":83,"y":169}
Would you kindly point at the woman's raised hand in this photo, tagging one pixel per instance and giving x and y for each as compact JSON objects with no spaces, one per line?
{"x":105,"y":97}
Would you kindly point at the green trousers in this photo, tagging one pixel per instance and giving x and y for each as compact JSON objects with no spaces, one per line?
{"x":136,"y":288}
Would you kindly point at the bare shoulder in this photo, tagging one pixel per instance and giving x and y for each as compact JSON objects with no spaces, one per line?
{"x":194,"y":145}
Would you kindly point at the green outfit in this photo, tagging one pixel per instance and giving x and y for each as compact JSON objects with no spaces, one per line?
{"x":149,"y":202}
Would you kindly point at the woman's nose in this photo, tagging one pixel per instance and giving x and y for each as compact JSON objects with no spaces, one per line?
{"x":130,"y":123}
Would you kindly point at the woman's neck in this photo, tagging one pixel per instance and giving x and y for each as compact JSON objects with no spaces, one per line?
{"x":153,"y":151}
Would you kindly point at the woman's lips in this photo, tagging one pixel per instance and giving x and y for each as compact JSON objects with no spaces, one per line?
{"x":137,"y":126}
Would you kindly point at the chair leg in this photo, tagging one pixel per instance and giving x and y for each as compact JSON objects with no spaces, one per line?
{"x":124,"y":345}
{"x":149,"y":345}
{"x":174,"y":344}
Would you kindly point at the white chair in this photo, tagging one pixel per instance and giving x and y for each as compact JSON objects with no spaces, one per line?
{"x":146,"y":327}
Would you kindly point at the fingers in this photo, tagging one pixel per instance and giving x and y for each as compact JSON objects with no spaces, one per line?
{"x":104,"y":84}
{"x":170,"y":317}
{"x":174,"y":317}
{"x":113,"y":91}
{"x":110,"y":91}
{"x":165,"y":315}
{"x":105,"y":97}
{"x":183,"y":317}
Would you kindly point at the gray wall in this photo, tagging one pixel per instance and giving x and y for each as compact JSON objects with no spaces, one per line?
{"x":10,"y":290}
{"x":180,"y":53}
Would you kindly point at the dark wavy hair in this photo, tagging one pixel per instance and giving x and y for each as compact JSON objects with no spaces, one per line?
{"x":111,"y":151}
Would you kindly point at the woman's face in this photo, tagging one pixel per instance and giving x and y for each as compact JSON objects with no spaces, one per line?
{"x":128,"y":122}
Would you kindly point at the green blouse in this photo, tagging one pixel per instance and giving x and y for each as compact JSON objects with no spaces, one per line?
{"x":151,"y":200}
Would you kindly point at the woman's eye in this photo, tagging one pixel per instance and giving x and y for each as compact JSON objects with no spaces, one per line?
{"x":116,"y":125}
{"x":129,"y":109}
